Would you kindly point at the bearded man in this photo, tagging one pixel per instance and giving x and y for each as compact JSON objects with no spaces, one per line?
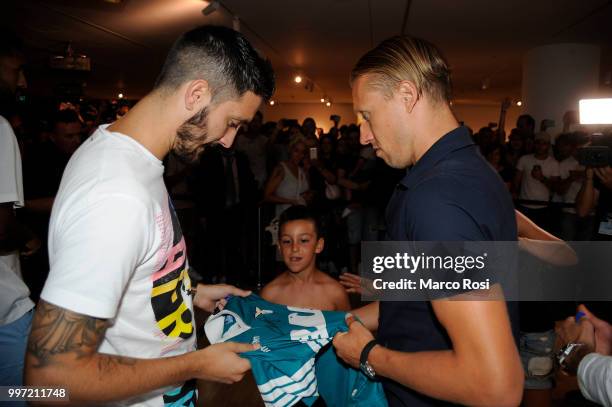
{"x":115,"y":321}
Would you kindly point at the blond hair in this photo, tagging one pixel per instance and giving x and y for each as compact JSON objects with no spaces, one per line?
{"x":295,"y":140}
{"x":403,"y":58}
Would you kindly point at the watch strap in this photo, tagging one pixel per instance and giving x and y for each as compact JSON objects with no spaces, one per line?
{"x":366,"y":351}
{"x":565,"y":352}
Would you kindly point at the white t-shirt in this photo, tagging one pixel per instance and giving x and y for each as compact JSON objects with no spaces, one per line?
{"x":594,"y":378}
{"x":14,"y":294}
{"x":531,"y":188}
{"x":565,"y":166}
{"x":117,"y":252}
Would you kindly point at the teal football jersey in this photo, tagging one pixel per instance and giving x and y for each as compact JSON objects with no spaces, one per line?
{"x":285,"y":366}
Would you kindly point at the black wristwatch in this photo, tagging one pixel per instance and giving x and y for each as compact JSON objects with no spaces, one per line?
{"x":365,"y":367}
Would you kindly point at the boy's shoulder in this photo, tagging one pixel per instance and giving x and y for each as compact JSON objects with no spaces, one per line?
{"x":326,"y":279}
{"x":274,"y":286}
{"x":331,"y":286}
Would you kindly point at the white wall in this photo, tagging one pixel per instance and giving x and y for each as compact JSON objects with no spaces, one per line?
{"x":555,"y":77}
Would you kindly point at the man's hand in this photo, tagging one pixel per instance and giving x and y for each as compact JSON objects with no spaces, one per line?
{"x":210,"y":296}
{"x":570,"y":330}
{"x":221,"y":363}
{"x":605,"y":175}
{"x":603,"y":332}
{"x":350,"y":344}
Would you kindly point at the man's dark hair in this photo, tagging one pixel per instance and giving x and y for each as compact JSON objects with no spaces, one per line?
{"x":528,"y":119}
{"x":299,"y":212}
{"x":10,"y":44}
{"x":221,"y":56}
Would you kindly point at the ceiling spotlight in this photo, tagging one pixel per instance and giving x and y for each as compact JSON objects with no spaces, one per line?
{"x":486,"y":83}
{"x":328,"y":104}
{"x":211,"y":8}
{"x":120,"y":96}
{"x":297,"y":79}
{"x":322,"y":100}
{"x":272,"y":103}
{"x":519,"y":103}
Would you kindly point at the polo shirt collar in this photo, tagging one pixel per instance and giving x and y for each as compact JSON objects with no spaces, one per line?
{"x":452,"y":141}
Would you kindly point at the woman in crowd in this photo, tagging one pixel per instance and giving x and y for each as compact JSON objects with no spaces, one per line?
{"x":288,"y":185}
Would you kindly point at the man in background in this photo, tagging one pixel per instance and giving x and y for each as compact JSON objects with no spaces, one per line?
{"x":15,"y":239}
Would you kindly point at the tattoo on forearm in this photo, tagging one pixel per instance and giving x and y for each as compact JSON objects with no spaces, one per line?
{"x":59,"y":331}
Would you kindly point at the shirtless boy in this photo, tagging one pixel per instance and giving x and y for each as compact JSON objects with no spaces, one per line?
{"x":302,"y":284}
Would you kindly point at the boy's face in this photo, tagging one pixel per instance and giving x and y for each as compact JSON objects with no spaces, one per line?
{"x":299,"y":244}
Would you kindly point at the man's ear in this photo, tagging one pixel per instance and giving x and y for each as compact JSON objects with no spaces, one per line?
{"x":409,"y":94}
{"x":197,"y":95}
{"x":320,"y":245}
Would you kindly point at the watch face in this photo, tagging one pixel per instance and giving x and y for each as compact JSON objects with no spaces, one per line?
{"x":368,"y":370}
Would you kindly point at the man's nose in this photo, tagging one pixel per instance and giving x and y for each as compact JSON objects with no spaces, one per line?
{"x":21,"y":81}
{"x":365,"y":134}
{"x":228,"y":139}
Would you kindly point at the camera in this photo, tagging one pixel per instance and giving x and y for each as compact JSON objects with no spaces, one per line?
{"x":596,"y":111}
{"x":594,"y":156}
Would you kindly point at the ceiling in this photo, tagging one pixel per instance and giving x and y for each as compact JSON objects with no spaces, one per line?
{"x":483,"y":40}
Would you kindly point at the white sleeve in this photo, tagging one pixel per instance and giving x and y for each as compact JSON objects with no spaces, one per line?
{"x":595,"y":378}
{"x":95,"y":251}
{"x":11,"y":184}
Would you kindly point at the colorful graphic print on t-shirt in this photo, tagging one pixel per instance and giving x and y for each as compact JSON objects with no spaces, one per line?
{"x":171,"y":286}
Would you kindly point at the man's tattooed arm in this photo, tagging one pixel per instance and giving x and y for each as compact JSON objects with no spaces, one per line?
{"x":58,"y":332}
{"x":63,"y":351}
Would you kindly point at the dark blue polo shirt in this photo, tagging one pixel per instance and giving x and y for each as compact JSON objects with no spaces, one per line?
{"x":450,"y":194}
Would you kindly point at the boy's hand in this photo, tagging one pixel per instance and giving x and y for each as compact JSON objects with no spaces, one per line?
{"x":351,"y":282}
{"x":210,"y":296}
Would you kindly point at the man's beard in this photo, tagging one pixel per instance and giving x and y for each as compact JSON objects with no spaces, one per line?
{"x":191,"y":137}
